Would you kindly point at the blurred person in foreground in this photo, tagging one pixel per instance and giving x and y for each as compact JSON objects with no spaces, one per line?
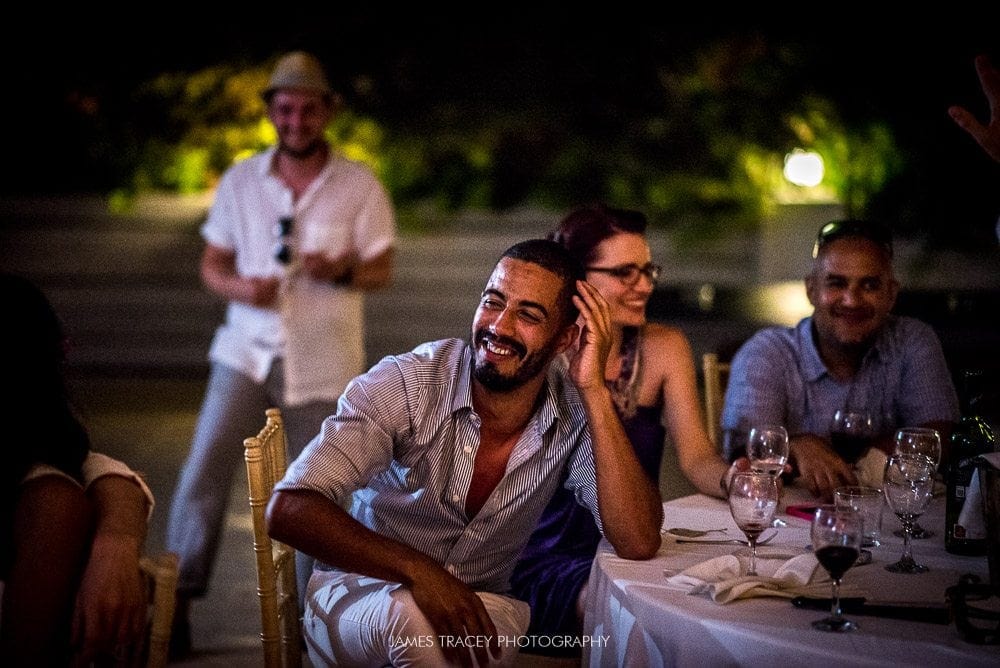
{"x":419,"y":494}
{"x":651,"y":376}
{"x":986,"y":135}
{"x":72,"y":521}
{"x":294,"y":238}
{"x":851,"y":352}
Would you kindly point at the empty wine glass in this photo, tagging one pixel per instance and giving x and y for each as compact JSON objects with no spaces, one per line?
{"x":767,"y":449}
{"x":851,"y":432}
{"x":753,"y":498}
{"x":836,"y":538}
{"x":908,"y":483}
{"x":920,"y":441}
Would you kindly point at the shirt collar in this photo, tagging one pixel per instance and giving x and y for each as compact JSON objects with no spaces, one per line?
{"x":552,"y":408}
{"x":812,"y":364}
{"x":265,"y":166}
{"x":813,"y":367}
{"x":545,"y":414}
{"x":463,"y":392}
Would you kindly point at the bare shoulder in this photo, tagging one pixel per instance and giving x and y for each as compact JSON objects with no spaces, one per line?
{"x":662,"y":339}
{"x":666,"y":352}
{"x":667,"y":363}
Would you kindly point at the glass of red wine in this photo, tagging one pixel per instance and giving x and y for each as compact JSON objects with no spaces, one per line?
{"x":836,"y":538}
{"x":851,"y":433}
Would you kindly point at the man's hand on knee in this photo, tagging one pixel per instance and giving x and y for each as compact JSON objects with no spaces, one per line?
{"x":463,"y":626}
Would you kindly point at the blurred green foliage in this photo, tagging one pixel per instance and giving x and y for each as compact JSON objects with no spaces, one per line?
{"x":687,"y":120}
{"x":701,"y":153}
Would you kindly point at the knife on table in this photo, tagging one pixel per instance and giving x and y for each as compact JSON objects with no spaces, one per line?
{"x":932,"y":614}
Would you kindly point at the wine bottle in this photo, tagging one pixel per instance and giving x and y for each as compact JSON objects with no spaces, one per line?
{"x":972,"y":437}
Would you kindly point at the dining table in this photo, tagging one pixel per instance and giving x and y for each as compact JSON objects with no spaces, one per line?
{"x":636,"y":617}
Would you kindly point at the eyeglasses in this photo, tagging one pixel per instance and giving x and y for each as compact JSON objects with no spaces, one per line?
{"x":283,"y":252}
{"x":629,"y":273}
{"x":854,"y":228}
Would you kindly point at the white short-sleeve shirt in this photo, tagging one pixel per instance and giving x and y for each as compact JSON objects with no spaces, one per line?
{"x":317,"y":327}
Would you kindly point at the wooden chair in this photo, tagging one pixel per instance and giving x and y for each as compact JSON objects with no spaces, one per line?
{"x":160,"y":573}
{"x":716,"y":375}
{"x":266,"y":457}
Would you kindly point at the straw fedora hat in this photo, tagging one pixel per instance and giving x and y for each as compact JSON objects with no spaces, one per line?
{"x":298,"y":69}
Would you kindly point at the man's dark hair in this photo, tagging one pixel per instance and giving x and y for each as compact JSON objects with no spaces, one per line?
{"x":552,"y":256}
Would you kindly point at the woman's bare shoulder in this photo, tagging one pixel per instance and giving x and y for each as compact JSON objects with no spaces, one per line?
{"x":658,"y":337}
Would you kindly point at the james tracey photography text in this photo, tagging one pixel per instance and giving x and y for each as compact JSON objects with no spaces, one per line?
{"x":521,"y":642}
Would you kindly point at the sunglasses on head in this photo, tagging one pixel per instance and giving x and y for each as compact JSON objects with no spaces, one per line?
{"x":283,"y":252}
{"x":839,"y":229}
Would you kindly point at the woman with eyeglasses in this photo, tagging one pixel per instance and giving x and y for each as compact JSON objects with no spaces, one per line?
{"x":651,"y":375}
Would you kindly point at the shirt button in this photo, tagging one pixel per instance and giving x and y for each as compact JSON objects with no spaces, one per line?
{"x":451,"y":569}
{"x":467,"y":449}
{"x":455,"y":498}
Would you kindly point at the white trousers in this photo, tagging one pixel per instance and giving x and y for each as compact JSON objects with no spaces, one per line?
{"x":354,"y":620}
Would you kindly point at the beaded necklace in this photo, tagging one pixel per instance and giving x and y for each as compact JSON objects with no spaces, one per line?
{"x":624,"y":388}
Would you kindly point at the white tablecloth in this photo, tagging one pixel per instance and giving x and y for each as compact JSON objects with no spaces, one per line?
{"x":635,"y":619}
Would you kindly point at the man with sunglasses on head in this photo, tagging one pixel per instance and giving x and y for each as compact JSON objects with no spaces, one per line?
{"x":852,"y":352}
{"x":295,"y":236}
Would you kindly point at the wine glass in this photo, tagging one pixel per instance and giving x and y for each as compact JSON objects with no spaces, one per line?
{"x":753,"y":498}
{"x":908,"y":483}
{"x":767,"y":449}
{"x":920,"y":441}
{"x":836,"y":538}
{"x":851,"y":432}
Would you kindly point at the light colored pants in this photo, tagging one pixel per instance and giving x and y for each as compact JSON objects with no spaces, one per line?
{"x":353,"y":620}
{"x":232,"y":410}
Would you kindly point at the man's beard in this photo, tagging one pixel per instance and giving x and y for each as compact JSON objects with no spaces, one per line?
{"x":490,"y":377}
{"x":302,"y":154}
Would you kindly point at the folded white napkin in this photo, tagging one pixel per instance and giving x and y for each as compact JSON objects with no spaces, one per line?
{"x":724,"y":579}
{"x":870,"y":469}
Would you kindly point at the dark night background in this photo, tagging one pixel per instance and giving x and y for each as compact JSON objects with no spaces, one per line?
{"x":127,"y":287}
{"x":70,"y":86}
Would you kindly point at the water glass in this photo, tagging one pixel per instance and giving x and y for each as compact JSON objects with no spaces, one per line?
{"x":921,"y":441}
{"x":908,"y":484}
{"x":867,"y":502}
{"x":767,"y":449}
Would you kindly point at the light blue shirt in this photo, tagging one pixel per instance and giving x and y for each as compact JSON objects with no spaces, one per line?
{"x":777,"y":376}
{"x":399,"y":454}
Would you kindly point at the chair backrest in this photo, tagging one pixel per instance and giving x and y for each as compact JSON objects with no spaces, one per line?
{"x":160,"y":573}
{"x":266,"y":457}
{"x":716,"y":375}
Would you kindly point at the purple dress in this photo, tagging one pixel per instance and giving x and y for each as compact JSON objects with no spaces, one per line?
{"x":556,"y":562}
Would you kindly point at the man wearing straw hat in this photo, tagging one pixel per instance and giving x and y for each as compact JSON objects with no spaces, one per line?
{"x":295,"y":236}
